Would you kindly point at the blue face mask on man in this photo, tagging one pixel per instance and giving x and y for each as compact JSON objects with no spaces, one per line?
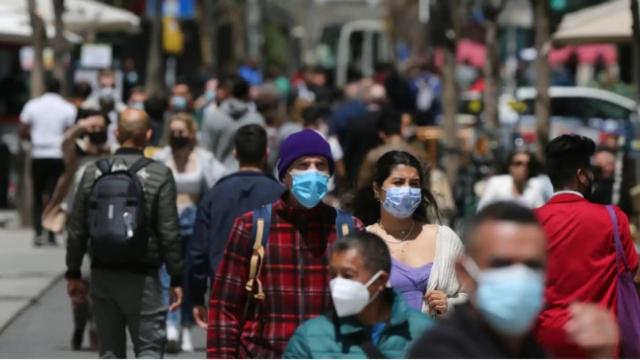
{"x":179,"y":103}
{"x":309,"y":187}
{"x":509,"y":298}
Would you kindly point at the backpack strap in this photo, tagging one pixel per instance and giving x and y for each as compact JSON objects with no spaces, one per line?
{"x":344,"y":223}
{"x":104,"y":166}
{"x":261,"y":226}
{"x":139,"y":165}
{"x":260,"y":234}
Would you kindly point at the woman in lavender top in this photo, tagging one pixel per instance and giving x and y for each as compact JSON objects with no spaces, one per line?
{"x":423,"y":254}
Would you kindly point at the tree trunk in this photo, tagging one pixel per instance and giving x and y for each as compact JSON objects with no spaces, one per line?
{"x":238,"y":29}
{"x":543,"y":102}
{"x":60,"y":47}
{"x":492,"y":66}
{"x":635,"y":11}
{"x":39,"y":36}
{"x":207,"y":30}
{"x":450,"y":91}
{"x":154,"y":83}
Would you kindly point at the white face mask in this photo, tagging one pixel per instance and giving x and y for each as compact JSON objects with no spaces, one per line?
{"x":350,"y":296}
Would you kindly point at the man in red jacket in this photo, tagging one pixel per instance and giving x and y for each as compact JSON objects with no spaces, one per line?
{"x":580,"y":248}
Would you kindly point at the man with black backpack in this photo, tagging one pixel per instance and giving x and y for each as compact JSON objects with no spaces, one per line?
{"x":125,"y":216}
{"x":274,"y":273}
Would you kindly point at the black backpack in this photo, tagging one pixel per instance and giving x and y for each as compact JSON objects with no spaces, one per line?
{"x":117,"y":227}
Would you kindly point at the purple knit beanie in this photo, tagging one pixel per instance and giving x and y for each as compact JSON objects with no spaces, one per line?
{"x":303,"y":143}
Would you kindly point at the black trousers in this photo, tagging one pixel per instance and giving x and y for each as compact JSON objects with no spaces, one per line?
{"x":45,"y":174}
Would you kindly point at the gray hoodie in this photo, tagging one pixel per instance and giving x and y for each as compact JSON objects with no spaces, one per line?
{"x":220,"y":126}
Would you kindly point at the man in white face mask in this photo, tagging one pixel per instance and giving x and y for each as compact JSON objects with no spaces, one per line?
{"x":504,"y":272}
{"x":369,"y":319}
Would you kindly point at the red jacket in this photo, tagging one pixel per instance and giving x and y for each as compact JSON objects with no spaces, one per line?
{"x":295,"y":279}
{"x":581,"y":264}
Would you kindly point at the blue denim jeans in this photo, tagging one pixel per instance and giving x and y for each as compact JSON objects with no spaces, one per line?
{"x":184,"y":315}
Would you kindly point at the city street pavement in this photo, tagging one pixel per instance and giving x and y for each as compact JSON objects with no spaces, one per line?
{"x":44,"y":331}
{"x":25,"y":271}
{"x":35,"y":313}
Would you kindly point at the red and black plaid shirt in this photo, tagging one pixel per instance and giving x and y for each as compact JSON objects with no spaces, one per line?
{"x":295,"y":280}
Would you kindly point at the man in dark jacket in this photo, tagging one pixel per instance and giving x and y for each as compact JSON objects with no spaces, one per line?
{"x":504,"y":272}
{"x":233,"y":195}
{"x":130,"y":296}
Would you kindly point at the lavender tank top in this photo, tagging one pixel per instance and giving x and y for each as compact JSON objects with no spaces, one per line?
{"x":410,"y":281}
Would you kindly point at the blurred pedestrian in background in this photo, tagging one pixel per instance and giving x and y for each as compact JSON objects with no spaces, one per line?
{"x":589,"y":250}
{"x":604,"y":166}
{"x":370,"y":319}
{"x":522,"y":182}
{"x":220,"y":125}
{"x":43,"y":122}
{"x":233,"y":195}
{"x":422,"y":252}
{"x":83,"y":143}
{"x":504,"y":271}
{"x":195,"y":170}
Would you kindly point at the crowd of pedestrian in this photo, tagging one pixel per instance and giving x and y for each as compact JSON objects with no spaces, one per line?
{"x":291,"y":219}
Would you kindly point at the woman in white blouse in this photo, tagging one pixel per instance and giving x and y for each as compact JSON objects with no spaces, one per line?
{"x":195,"y":170}
{"x":521,"y":183}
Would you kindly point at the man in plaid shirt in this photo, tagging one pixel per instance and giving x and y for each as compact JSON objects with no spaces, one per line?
{"x":295,"y":274}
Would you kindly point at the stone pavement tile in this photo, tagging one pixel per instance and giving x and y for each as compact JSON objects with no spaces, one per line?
{"x":25,"y":271}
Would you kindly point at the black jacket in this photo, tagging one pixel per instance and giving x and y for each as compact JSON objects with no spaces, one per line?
{"x":465,"y":335}
{"x":162,"y":217}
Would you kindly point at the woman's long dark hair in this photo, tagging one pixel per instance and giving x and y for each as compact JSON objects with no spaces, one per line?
{"x":367,"y":208}
{"x":534,"y":168}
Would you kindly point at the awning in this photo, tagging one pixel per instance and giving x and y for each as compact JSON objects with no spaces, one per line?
{"x":15,"y":28}
{"x":82,"y":15}
{"x":586,"y":54}
{"x":609,"y":22}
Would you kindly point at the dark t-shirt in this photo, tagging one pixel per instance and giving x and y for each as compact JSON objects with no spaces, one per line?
{"x":465,"y":335}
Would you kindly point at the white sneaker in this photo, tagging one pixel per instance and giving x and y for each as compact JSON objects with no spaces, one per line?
{"x":173,"y":339}
{"x":187,"y":345}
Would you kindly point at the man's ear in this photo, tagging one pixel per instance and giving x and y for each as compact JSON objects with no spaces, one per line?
{"x":382,"y":281}
{"x":148,"y":135}
{"x":467,"y":282}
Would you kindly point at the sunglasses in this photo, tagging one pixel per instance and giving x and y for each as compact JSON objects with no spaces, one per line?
{"x":520,"y":163}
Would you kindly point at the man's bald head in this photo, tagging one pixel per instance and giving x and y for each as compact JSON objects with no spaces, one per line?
{"x":134,"y":128}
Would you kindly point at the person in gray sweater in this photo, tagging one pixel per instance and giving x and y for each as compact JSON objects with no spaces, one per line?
{"x":220,"y":125}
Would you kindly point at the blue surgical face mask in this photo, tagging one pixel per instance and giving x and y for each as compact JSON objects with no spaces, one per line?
{"x":401,"y":202}
{"x":137,"y":105}
{"x":509,"y":298}
{"x":210,"y":95}
{"x":179,"y":103}
{"x":309,"y":187}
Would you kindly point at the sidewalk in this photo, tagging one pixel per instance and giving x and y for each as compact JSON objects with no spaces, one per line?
{"x":26,"y":272}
